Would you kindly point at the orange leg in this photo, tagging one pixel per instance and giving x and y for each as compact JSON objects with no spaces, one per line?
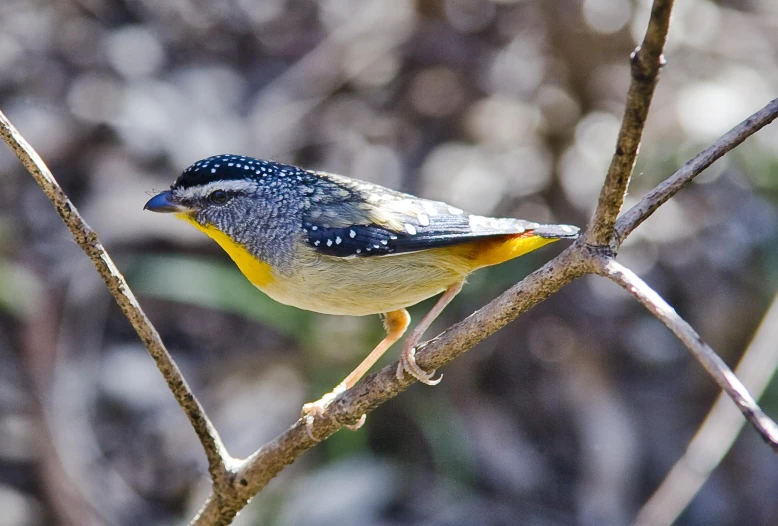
{"x":408,"y":356}
{"x":395,"y":323}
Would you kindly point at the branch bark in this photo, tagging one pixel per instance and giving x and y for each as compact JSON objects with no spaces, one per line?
{"x":717,"y":433}
{"x":86,"y":238}
{"x":633,"y":217}
{"x":707,"y":357}
{"x":647,"y":60}
{"x":375,"y":389}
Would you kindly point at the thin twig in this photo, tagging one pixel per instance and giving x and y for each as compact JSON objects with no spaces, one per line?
{"x":707,"y":357}
{"x":647,"y":60}
{"x":377,"y":388}
{"x":633,"y":217}
{"x":218,"y":458}
{"x":717,"y":433}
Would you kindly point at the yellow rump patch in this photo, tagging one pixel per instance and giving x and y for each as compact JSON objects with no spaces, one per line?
{"x":497,"y":250}
{"x":257,"y":272}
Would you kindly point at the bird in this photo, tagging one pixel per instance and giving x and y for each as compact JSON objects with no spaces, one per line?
{"x":331,"y":244}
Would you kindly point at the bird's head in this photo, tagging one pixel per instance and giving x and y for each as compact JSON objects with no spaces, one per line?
{"x":253,"y":202}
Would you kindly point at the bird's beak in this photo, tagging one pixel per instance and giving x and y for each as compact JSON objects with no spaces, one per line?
{"x":164,"y":203}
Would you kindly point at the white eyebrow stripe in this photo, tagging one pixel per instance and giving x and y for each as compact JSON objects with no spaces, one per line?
{"x":237,"y":185}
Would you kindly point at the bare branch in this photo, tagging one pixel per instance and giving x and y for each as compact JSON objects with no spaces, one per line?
{"x":676,"y":182}
{"x":647,"y":60}
{"x":717,"y":433}
{"x":218,"y":458}
{"x":715,"y":366}
{"x":211,"y":515}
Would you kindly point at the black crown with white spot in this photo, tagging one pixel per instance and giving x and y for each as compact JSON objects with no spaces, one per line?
{"x":228,"y":167}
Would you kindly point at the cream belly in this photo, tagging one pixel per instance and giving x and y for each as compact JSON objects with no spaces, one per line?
{"x":368,"y":285}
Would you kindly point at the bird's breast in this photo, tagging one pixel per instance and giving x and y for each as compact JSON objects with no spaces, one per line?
{"x":365,"y":285}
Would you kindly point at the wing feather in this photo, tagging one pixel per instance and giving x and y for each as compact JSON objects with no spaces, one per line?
{"x":348,"y":218}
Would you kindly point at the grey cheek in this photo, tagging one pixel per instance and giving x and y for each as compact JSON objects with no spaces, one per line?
{"x":201,"y":217}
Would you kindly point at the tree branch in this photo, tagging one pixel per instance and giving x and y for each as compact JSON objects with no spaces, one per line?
{"x":86,"y":238}
{"x":647,"y":60}
{"x":707,"y":357}
{"x":375,"y":389}
{"x":717,"y":433}
{"x":633,"y":217}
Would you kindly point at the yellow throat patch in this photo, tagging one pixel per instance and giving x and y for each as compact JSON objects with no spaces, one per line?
{"x":258,"y":272}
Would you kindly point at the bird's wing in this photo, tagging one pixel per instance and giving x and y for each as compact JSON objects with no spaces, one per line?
{"x":350,"y":218}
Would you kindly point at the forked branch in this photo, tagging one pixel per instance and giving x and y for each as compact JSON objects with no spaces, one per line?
{"x":633,"y":217}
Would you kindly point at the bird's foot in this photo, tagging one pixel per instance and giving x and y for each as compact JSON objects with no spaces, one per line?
{"x":315,"y":409}
{"x":408,"y":364}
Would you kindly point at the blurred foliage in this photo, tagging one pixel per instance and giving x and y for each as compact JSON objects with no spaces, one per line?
{"x":19,"y":289}
{"x":572,"y":415}
{"x":213,"y":285}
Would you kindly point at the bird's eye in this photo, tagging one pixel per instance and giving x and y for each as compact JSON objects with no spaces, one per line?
{"x":218,"y":197}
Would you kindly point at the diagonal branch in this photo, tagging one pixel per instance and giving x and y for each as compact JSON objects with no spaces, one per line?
{"x":707,"y":357}
{"x":717,"y":433}
{"x":218,"y":458}
{"x":633,"y":217}
{"x":375,"y":389}
{"x":646,"y":60}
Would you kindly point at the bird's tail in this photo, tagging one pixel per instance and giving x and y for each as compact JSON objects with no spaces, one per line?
{"x":556,"y":231}
{"x":501,"y":248}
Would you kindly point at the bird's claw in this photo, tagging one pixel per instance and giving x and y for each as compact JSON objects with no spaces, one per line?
{"x":315,"y":409}
{"x":408,"y":364}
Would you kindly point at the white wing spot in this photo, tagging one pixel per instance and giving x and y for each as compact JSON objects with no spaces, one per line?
{"x":329,"y":242}
{"x":410,"y":229}
{"x":454,"y":210}
{"x":352,"y":234}
{"x":424,"y":219}
{"x":316,"y":243}
{"x":478,"y":222}
{"x":338,"y":240}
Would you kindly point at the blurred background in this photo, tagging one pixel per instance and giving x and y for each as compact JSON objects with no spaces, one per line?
{"x":571,"y":415}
